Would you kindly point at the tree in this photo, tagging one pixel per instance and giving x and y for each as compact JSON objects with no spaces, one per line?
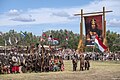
{"x":113,"y":40}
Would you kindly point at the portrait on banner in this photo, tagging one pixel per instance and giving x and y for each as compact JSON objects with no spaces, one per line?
{"x":93,"y":27}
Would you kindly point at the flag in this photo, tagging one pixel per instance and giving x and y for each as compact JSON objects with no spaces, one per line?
{"x":98,"y":43}
{"x":23,"y":34}
{"x":5,"y":43}
{"x":44,"y":35}
{"x":50,"y":38}
{"x":16,"y":41}
{"x":55,"y":40}
{"x":66,"y":38}
{"x":10,"y":41}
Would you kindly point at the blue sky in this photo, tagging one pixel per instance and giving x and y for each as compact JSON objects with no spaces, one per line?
{"x":42,"y":15}
{"x":33,"y":4}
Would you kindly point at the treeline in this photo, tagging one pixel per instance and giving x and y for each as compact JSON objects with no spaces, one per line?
{"x":113,"y":40}
{"x":65,"y":38}
{"x":12,"y":38}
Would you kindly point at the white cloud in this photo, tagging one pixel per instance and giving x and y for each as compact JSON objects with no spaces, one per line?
{"x":114,"y":22}
{"x":58,"y":15}
{"x":14,"y":12}
{"x":108,"y":4}
{"x":23,"y":19}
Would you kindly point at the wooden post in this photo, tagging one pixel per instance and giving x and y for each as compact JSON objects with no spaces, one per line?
{"x":81,"y":26}
{"x":80,"y":45}
{"x":104,"y":28}
{"x":104,"y":22}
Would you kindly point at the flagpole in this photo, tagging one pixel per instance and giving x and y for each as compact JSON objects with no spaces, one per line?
{"x":3,"y":37}
{"x":42,"y":38}
{"x":50,"y":40}
{"x":10,"y":43}
{"x":5,"y":46}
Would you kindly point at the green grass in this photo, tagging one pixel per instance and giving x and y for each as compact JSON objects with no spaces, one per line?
{"x":108,"y":70}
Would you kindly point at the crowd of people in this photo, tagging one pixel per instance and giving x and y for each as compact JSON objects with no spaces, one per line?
{"x":95,"y":56}
{"x":45,"y":61}
{"x":105,"y":56}
{"x":14,"y":62}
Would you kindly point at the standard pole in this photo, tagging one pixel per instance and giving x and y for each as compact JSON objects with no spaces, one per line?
{"x":104,"y":26}
{"x":5,"y":46}
{"x":81,"y":25}
{"x":80,"y":46}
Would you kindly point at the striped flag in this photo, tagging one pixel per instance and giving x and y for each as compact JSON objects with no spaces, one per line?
{"x":44,"y":35}
{"x":98,"y":43}
{"x":55,"y":40}
{"x":16,"y":41}
{"x":50,"y":38}
{"x":66,"y":38}
{"x":5,"y":43}
{"x":23,"y":34}
{"x":10,"y":41}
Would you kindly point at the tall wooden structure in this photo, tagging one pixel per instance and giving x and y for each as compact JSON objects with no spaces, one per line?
{"x":81,"y":45}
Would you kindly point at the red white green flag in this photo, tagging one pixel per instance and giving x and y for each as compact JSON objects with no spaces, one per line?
{"x":98,"y":43}
{"x":55,"y":41}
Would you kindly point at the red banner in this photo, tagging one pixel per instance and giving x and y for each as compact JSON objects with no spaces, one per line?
{"x":93,"y":27}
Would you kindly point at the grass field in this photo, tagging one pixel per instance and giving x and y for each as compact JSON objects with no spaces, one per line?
{"x":98,"y":71}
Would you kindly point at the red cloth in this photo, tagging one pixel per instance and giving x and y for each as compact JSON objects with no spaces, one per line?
{"x":15,"y":68}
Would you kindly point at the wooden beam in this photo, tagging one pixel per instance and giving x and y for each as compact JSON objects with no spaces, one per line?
{"x":80,"y":45}
{"x":81,"y":25}
{"x":103,"y":30}
{"x":92,"y":13}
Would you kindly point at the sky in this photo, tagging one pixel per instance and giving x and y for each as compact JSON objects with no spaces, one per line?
{"x":37,"y":16}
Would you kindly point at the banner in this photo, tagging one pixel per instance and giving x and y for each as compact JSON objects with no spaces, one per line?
{"x":93,"y":27}
{"x":99,"y":44}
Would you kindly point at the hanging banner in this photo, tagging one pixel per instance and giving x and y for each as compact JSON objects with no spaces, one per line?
{"x":93,"y":27}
